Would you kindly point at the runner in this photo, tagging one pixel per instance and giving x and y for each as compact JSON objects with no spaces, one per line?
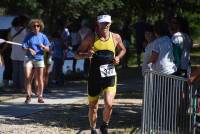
{"x":100,"y":48}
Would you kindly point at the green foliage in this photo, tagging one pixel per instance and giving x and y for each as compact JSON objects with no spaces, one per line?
{"x":124,"y":12}
{"x":194,"y":19}
{"x":21,"y":6}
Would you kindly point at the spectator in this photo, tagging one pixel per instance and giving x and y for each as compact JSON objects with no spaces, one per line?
{"x":194,"y":77}
{"x":181,"y":38}
{"x":58,"y":48}
{"x":47,"y":69}
{"x":181,"y":45}
{"x":75,"y":42}
{"x":139,"y":37}
{"x":35,"y":44}
{"x":150,"y":38}
{"x":6,"y":53}
{"x":162,"y":58}
{"x":17,"y":34}
{"x":126,"y":42}
{"x":83,"y":32}
{"x":66,"y":33}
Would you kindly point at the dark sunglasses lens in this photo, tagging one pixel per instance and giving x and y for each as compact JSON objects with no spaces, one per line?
{"x":36,"y":25}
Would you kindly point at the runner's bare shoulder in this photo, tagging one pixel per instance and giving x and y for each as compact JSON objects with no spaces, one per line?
{"x":117,"y":38}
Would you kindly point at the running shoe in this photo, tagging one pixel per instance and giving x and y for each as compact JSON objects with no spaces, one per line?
{"x":93,"y":131}
{"x":104,"y":129}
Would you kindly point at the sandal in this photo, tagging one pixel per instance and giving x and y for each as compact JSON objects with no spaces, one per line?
{"x":28,"y":99}
{"x":40,"y":100}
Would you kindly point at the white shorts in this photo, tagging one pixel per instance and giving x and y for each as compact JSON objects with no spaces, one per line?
{"x":31,"y":63}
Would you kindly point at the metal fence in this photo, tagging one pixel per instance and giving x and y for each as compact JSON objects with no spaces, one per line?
{"x":167,"y":104}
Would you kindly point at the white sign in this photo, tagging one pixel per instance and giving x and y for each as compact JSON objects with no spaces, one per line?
{"x":68,"y":68}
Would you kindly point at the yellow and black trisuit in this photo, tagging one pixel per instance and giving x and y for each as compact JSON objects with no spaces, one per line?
{"x":102,"y":75}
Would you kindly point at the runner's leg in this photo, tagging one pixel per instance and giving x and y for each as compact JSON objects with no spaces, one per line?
{"x":108,"y":101}
{"x":92,"y":114}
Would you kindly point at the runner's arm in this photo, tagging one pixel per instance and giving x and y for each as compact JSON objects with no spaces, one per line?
{"x":120,"y":46}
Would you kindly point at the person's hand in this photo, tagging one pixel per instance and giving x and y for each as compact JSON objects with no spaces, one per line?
{"x":42,"y":46}
{"x":116,"y":60}
{"x":32,"y":51}
{"x":149,"y":66}
{"x":90,"y":53}
{"x":190,"y":80}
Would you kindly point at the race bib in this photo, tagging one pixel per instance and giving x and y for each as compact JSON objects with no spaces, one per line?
{"x":107,"y":70}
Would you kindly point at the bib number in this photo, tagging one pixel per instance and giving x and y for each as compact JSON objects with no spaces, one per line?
{"x":107,"y":70}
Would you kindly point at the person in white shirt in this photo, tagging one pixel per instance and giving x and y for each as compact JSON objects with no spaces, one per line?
{"x":83,"y":32}
{"x":162,"y":58}
{"x":17,"y":34}
{"x":150,"y":38}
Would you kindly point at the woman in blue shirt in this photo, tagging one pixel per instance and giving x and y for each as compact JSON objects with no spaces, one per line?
{"x":35,"y":44}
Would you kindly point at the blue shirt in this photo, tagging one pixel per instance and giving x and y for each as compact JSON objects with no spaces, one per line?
{"x":57,"y":48}
{"x":33,"y":41}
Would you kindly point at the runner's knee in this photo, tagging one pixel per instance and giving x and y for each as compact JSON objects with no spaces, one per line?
{"x":108,"y":106}
{"x":93,"y":108}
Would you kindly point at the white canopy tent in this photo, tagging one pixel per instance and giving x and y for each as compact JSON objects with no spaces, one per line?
{"x":5,"y":22}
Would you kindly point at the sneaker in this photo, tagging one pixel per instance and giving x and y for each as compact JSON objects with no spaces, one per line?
{"x":104,"y":129}
{"x":93,"y":131}
{"x":28,"y":99}
{"x":40,"y":100}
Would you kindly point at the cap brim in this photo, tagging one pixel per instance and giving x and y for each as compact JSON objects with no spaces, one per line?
{"x":104,"y":18}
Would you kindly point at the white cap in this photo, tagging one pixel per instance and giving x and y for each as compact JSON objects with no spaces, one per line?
{"x":104,"y":18}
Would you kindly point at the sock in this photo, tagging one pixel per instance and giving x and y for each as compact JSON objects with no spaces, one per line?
{"x":105,"y":124}
{"x":93,"y":129}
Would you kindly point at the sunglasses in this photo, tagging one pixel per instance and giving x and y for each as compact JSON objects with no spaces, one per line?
{"x":36,"y":25}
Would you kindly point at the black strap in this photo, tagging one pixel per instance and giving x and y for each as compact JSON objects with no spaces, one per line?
{"x":17,"y":33}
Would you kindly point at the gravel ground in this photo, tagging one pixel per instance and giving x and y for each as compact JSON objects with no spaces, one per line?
{"x":72,"y":119}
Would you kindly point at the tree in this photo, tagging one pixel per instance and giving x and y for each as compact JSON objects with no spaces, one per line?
{"x":124,"y":12}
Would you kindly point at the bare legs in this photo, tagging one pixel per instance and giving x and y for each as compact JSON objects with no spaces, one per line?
{"x":108,"y":100}
{"x":93,"y":108}
{"x":39,"y":78}
{"x":28,"y":78}
{"x":46,"y":75}
{"x":28,"y":81}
